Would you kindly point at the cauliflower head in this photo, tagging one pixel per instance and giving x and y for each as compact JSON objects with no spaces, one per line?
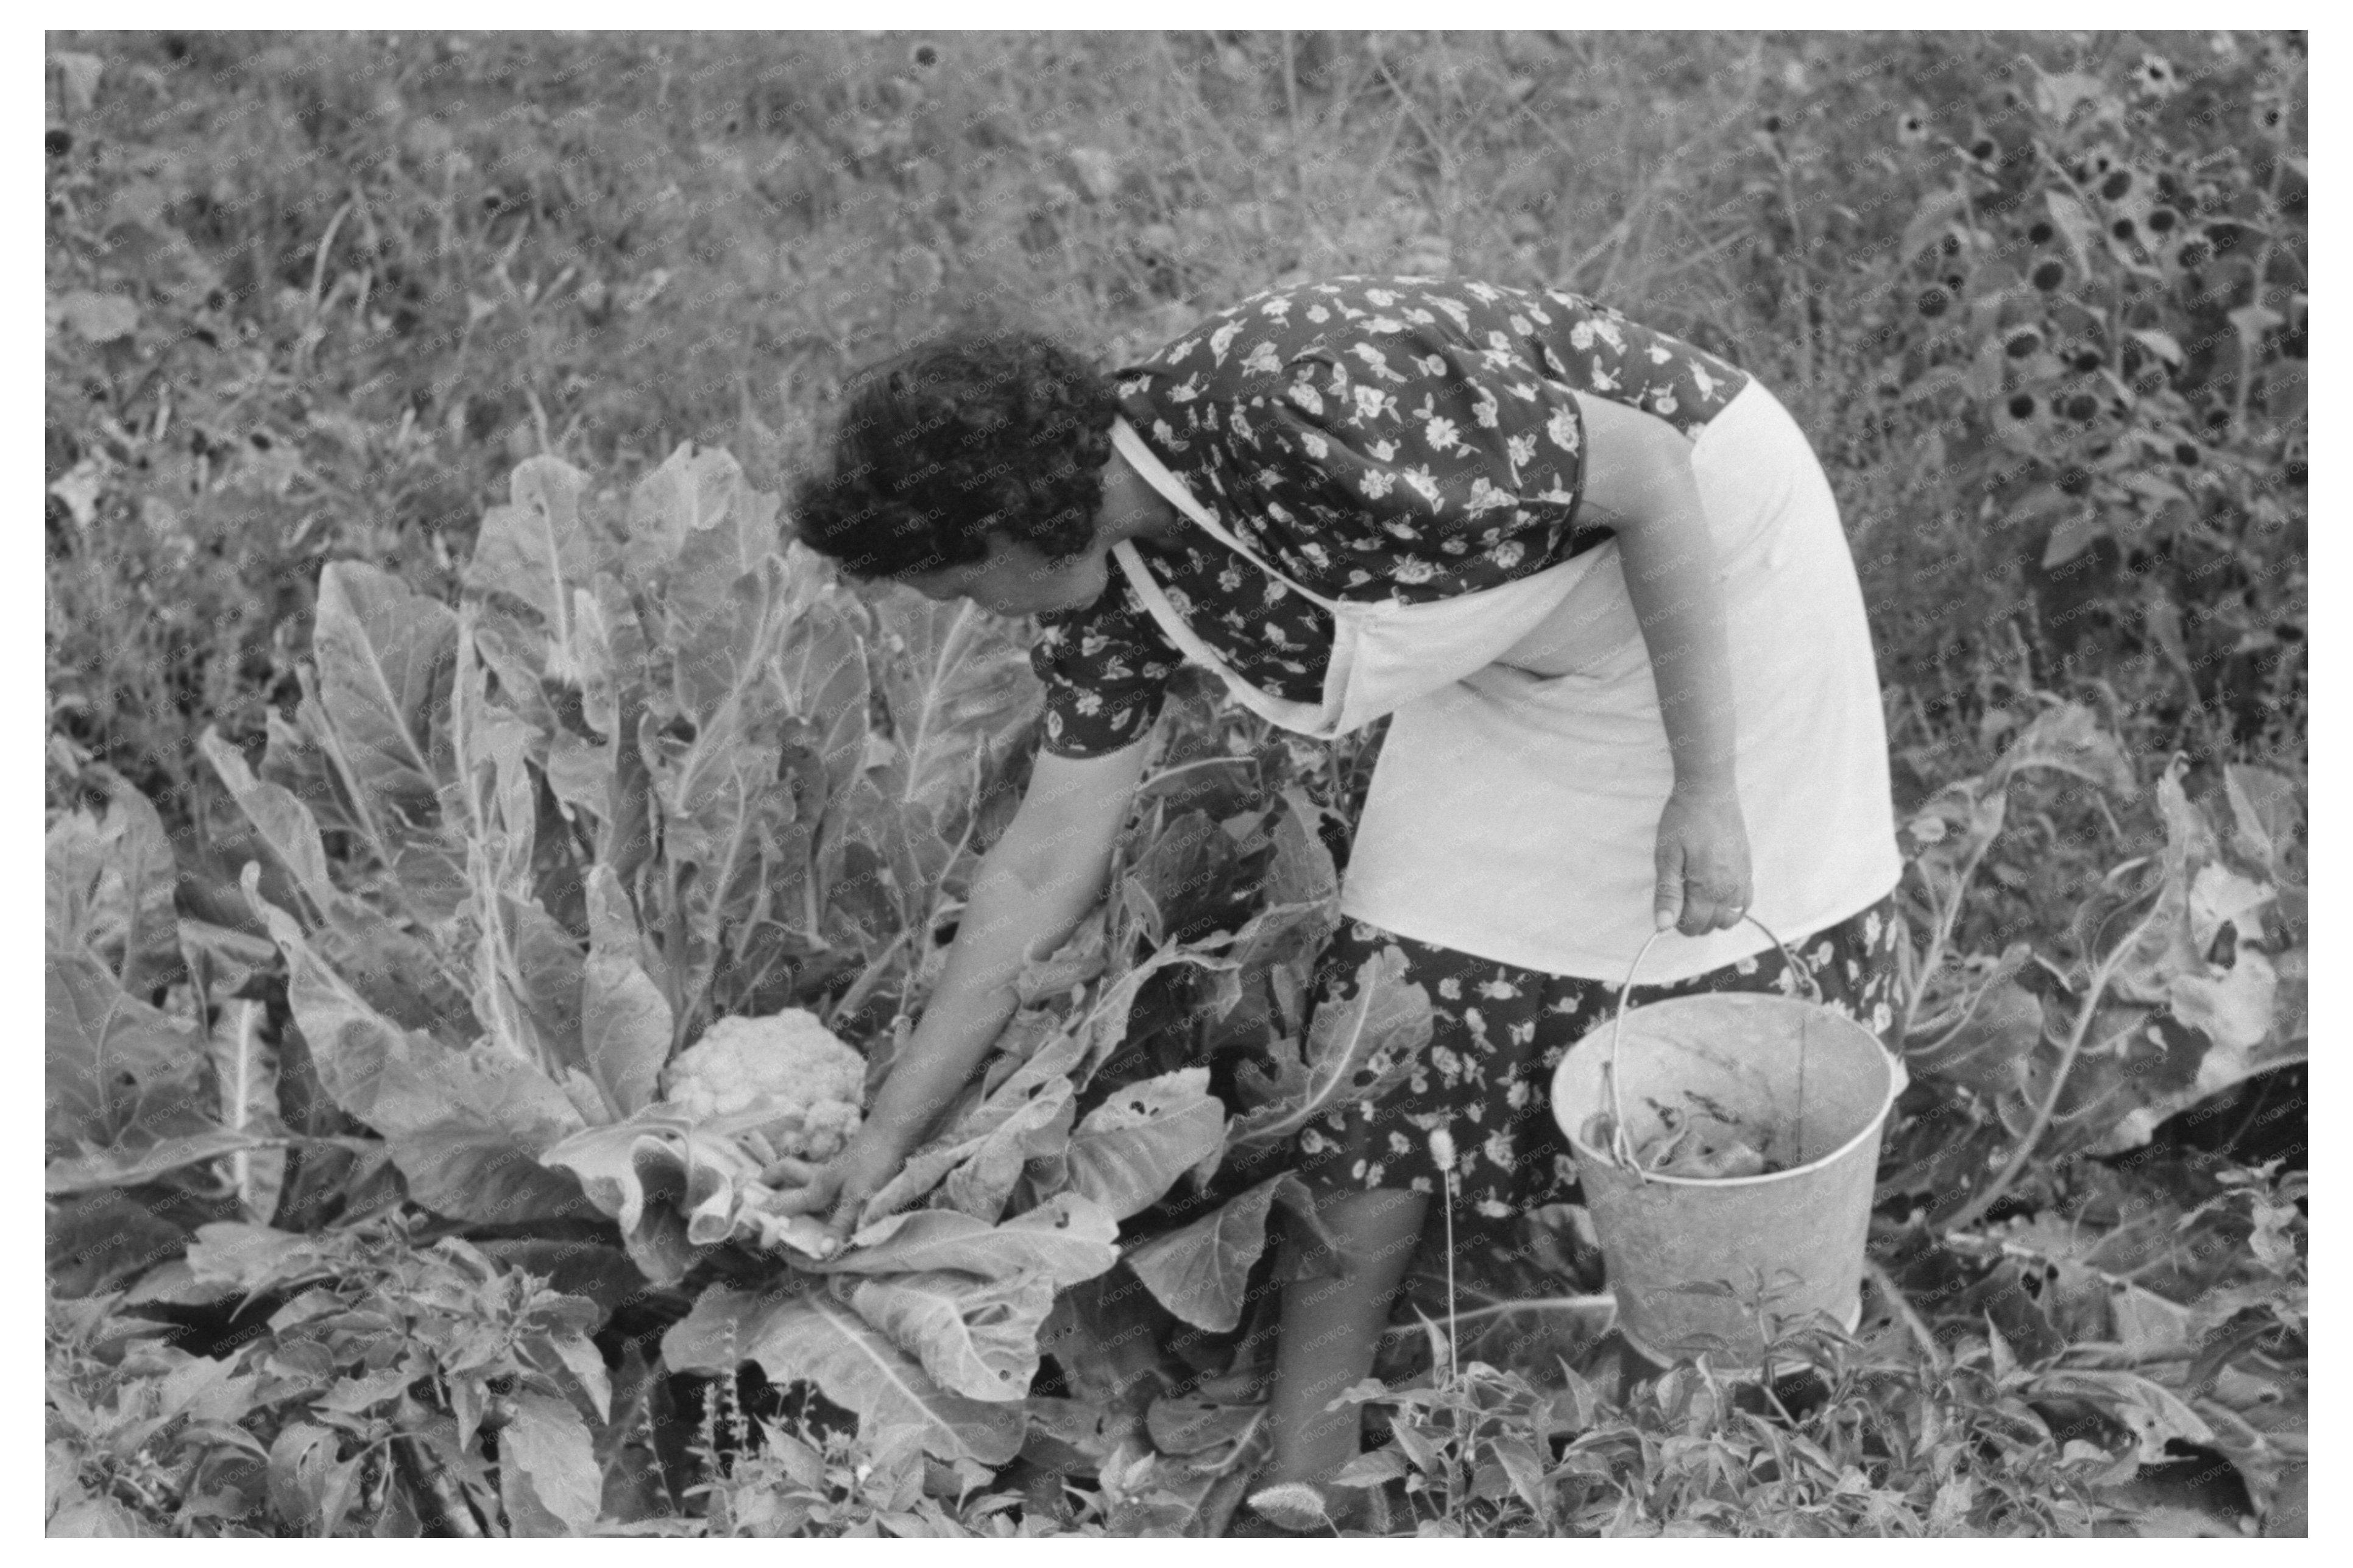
{"x":786,"y":1077}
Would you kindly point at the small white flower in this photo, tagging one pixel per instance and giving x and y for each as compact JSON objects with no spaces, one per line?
{"x":1562,"y":428}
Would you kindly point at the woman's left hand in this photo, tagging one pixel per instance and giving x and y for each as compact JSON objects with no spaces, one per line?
{"x":1703,"y":862}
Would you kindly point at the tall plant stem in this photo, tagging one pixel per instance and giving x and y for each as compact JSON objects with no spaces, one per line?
{"x":1976,"y":1207}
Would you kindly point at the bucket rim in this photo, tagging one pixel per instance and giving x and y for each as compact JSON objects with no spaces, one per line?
{"x":1898,"y":1080}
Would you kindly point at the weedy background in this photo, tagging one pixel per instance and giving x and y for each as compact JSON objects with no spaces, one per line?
{"x":2040,"y":302}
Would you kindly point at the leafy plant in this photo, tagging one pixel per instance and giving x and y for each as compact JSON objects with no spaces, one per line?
{"x":2186,"y":974}
{"x":360,"y":1405}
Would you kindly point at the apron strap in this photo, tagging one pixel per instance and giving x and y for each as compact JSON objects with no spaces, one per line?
{"x":1141,"y":457}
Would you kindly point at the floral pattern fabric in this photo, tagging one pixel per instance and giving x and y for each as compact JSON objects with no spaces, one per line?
{"x":1497,"y":1032}
{"x":1395,"y":439}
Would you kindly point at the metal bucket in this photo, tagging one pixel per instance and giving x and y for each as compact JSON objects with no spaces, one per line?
{"x":1809,"y":1090}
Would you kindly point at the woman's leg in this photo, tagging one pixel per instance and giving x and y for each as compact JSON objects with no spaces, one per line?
{"x":1331,"y":1326}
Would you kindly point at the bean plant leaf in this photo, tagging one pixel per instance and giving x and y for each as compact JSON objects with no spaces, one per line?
{"x":547,"y":1448}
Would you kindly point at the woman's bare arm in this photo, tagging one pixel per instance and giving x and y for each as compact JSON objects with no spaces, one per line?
{"x":1027,"y":896}
{"x":1639,"y":479}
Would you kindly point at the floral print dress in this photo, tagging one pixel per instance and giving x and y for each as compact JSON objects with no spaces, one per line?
{"x":1406,"y":439}
{"x":1375,"y":438}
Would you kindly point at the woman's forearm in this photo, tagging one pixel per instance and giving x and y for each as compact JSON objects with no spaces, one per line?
{"x":1019,"y":907}
{"x":1670,"y":577}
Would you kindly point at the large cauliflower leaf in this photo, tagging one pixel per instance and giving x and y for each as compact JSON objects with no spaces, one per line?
{"x":682,"y":1175}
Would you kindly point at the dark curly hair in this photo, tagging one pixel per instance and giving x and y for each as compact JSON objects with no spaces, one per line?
{"x":974,"y":433}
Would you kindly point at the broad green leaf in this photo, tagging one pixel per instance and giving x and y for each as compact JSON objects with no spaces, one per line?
{"x":1357,"y":1048}
{"x":2216,"y":895}
{"x":383,"y":657}
{"x":1039,"y":1128}
{"x":1032,"y":1078}
{"x":1202,"y":1430}
{"x":2264,"y":813}
{"x":110,"y":890}
{"x":817,"y":1340}
{"x":1066,"y":1239}
{"x":698,"y":499}
{"x":1201,"y":1273}
{"x":2235,"y":1015}
{"x":536,"y":549}
{"x":465,"y":1127}
{"x":1983,"y":1039}
{"x":255,"y":1259}
{"x":547,"y":1448}
{"x":674,"y":1188}
{"x":2069,"y":738}
{"x":974,"y":1336}
{"x":626,"y":1025}
{"x":2152,"y":1413}
{"x":394,"y":972}
{"x":116,"y":1068}
{"x":722,"y":822}
{"x":310,"y":1487}
{"x":284,"y":823}
{"x":245,"y":1075}
{"x":1129,"y":1151}
{"x":126,"y":1166}
{"x":960,"y":691}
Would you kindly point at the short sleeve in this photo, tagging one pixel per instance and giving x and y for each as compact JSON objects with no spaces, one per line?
{"x":1106,"y":671}
{"x":1464,"y":463}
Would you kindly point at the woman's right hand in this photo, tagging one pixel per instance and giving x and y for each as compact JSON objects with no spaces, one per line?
{"x":840,"y":1188}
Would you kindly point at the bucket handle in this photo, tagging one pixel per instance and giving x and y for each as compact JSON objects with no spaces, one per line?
{"x":1621,"y":1143}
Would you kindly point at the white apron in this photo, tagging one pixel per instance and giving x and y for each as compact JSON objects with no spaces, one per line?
{"x":1515,"y":816}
